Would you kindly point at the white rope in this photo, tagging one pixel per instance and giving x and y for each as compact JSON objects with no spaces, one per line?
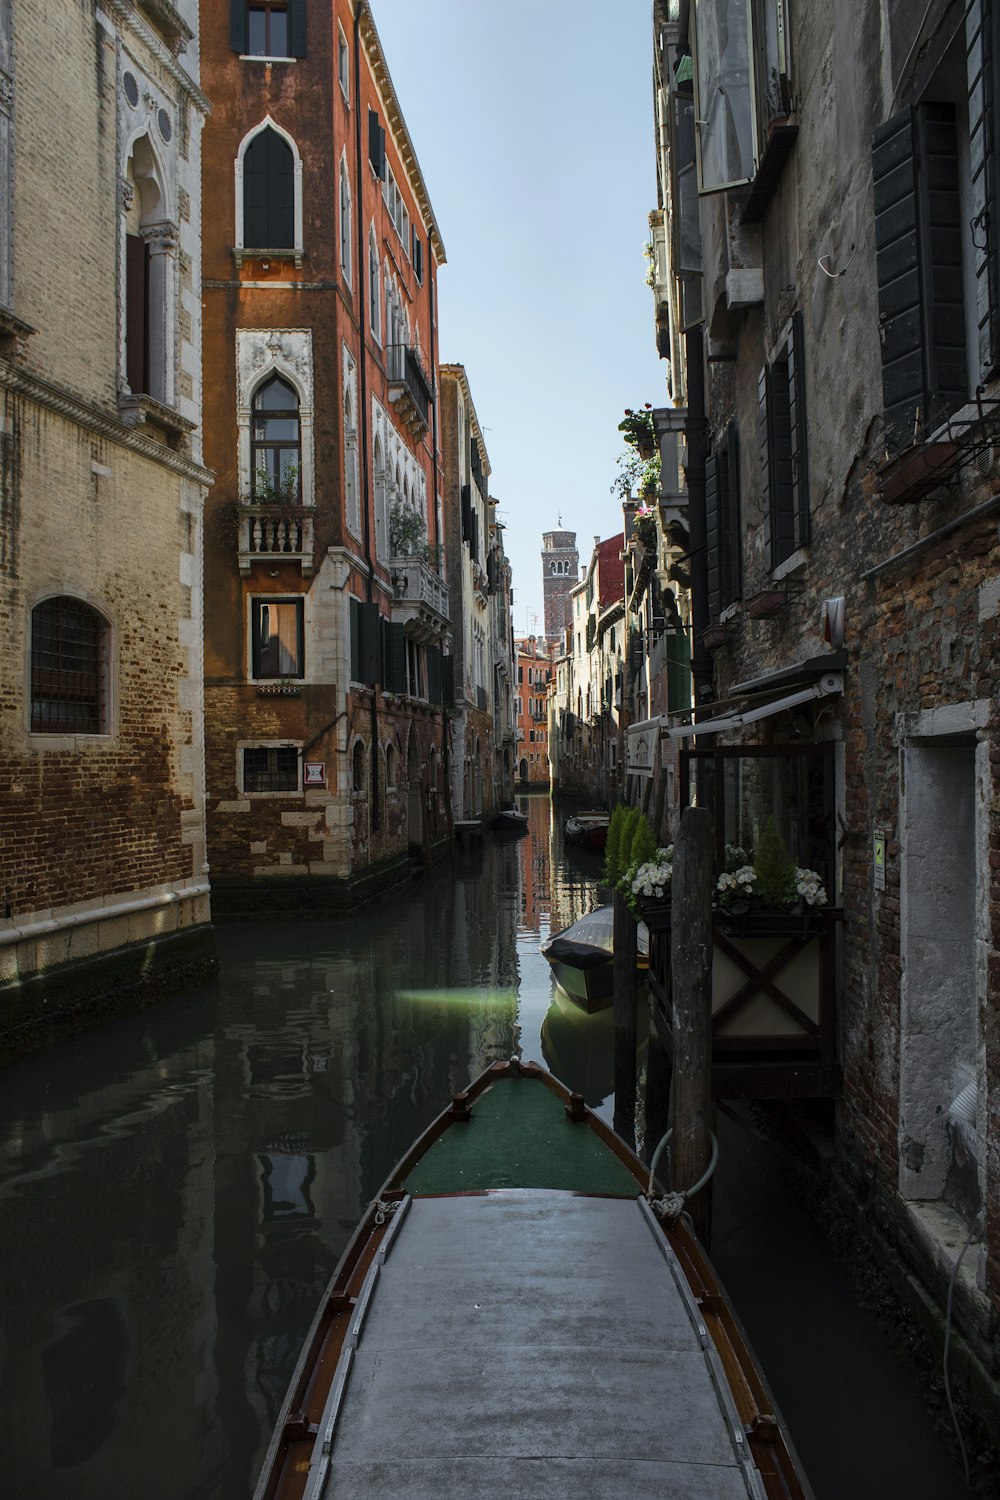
{"x":671,"y":1205}
{"x":385,"y":1209}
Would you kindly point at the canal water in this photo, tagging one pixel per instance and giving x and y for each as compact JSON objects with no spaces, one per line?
{"x":176,"y":1188}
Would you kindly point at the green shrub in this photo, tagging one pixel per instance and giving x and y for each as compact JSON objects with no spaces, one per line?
{"x":613,"y":846}
{"x":775,"y":869}
{"x":643,"y":845}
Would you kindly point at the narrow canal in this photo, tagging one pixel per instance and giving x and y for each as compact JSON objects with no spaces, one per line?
{"x":175,"y":1190}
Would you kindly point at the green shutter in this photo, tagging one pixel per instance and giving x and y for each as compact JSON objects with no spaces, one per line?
{"x":729,"y":512}
{"x":369,"y":643}
{"x":434,"y":675}
{"x":713,"y":536}
{"x":394,"y":658}
{"x":296,"y":28}
{"x":355,"y":641}
{"x":238,"y":25}
{"x":799,"y":433}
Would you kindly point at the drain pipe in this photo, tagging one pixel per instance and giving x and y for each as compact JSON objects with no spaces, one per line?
{"x":695,"y":433}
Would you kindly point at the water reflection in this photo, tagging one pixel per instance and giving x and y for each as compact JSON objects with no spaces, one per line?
{"x":176,"y":1188}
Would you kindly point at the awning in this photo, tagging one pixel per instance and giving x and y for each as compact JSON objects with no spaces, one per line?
{"x":827,"y":685}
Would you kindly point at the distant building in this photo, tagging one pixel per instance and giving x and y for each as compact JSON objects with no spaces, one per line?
{"x":560,"y":571}
{"x":534,"y":673}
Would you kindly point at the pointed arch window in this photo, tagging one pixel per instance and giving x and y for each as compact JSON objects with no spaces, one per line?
{"x":374,"y":288}
{"x":268,"y":193}
{"x":381,"y":507}
{"x":351,"y":467}
{"x":276,"y":444}
{"x":345,"y":221}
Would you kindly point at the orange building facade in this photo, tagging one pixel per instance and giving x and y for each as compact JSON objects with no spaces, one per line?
{"x":531,"y":711}
{"x":326,"y":606}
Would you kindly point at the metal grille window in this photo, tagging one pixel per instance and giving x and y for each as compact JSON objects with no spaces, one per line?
{"x":69,"y":650}
{"x":271,"y":768}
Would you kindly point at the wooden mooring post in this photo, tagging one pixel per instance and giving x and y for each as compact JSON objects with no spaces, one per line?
{"x":625,"y":1018}
{"x":691,"y":968}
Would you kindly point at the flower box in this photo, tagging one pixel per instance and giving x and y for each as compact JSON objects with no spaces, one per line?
{"x":769,"y":923}
{"x":655,"y":914}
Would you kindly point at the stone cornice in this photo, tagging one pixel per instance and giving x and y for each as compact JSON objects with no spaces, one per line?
{"x":97,"y":420}
{"x":401,"y":134}
{"x":457,"y":372}
{"x":125,"y":14}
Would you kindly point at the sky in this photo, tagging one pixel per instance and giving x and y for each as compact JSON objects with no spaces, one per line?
{"x":533,"y":125}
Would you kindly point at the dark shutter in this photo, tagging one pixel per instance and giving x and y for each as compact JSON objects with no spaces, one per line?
{"x":713,"y":536}
{"x":418,"y":256}
{"x":368,"y":618}
{"x":296,"y":28}
{"x":376,"y":144}
{"x":268,"y":193}
{"x":982,"y":30}
{"x":731,"y":556}
{"x":918,"y":257}
{"x":434,"y":675}
{"x":799,"y":433}
{"x":448,"y":680}
{"x":137,"y":313}
{"x":238,"y":25}
{"x":393,"y":657}
{"x":355,"y":640}
{"x":778,"y":421}
{"x":678,"y":671}
{"x":466,"y":512}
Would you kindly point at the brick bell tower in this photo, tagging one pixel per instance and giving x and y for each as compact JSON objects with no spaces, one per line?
{"x":560,"y":573}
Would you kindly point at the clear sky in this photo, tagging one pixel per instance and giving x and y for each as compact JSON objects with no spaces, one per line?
{"x":533,"y":125}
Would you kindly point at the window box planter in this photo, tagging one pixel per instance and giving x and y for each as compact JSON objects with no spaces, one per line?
{"x":767,"y":603}
{"x":715,"y":635}
{"x":744,"y":924}
{"x":655,"y":914}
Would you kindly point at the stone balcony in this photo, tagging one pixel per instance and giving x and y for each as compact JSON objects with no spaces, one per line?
{"x":275,"y":533}
{"x":410,"y":389}
{"x":419,"y":599}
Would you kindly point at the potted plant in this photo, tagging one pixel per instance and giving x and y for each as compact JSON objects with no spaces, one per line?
{"x":770,"y":895}
{"x":646,"y":529}
{"x":650,"y":889}
{"x":407,"y":532}
{"x":266,"y":491}
{"x":638,"y":430}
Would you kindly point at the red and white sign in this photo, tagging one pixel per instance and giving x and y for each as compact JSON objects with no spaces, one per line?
{"x":314,"y":773}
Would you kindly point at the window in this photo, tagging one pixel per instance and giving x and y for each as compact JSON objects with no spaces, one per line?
{"x":358,"y":766}
{"x":722,"y":506}
{"x":275,"y":444}
{"x":376,"y":145}
{"x":70,"y":644}
{"x":919,"y":261}
{"x":783,"y":455}
{"x":351,"y":490}
{"x":345,"y":221}
{"x":150,"y":245}
{"x":276,"y":636}
{"x":390,"y":766}
{"x":397,"y":211}
{"x":381,"y":506}
{"x":417,"y":255}
{"x":343,"y":65}
{"x":374,"y":288}
{"x":742,"y":83}
{"x":270,"y":768}
{"x":268,"y":28}
{"x":268,"y":193}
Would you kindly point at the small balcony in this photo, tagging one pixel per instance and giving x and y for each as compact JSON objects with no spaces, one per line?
{"x":419,"y":599}
{"x":410,"y":388}
{"x":275,"y":533}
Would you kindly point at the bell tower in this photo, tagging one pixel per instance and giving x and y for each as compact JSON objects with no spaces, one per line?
{"x":560,"y":574}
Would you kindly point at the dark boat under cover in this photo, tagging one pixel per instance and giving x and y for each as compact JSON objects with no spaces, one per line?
{"x":512,"y":1317}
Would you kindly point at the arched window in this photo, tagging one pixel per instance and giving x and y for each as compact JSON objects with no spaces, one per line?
{"x":70,"y":668}
{"x":374,"y":288}
{"x":268,"y":193}
{"x":150,"y":243}
{"x":345,"y":221}
{"x":351,"y":495}
{"x":390,"y":767}
{"x":276,"y":444}
{"x":358,"y":766}
{"x":381,"y":509}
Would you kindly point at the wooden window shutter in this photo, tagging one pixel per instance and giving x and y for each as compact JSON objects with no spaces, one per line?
{"x":368,"y":615}
{"x":435,"y":683}
{"x":355,"y":641}
{"x":393,"y":657}
{"x":137,"y":313}
{"x":777,"y":419}
{"x":448,"y":680}
{"x":730,"y":550}
{"x":238,"y":25}
{"x":712,"y":535}
{"x":268,"y":193}
{"x":982,"y":32}
{"x":466,"y":512}
{"x":798,"y":434}
{"x":376,"y":144}
{"x":296,"y":28}
{"x":918,"y":249}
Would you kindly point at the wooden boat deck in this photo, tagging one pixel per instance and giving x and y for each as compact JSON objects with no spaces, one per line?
{"x":495,"y":1344}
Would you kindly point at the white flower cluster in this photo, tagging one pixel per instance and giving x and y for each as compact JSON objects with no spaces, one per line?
{"x":654,"y":877}
{"x":810,"y":887}
{"x":735,"y":883}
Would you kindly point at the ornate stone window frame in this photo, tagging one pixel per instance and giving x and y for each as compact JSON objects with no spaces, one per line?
{"x":261,"y":353}
{"x":240,"y":250}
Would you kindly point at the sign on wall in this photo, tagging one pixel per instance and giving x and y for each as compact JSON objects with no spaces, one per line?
{"x":640,"y":750}
{"x":314,"y":773}
{"x":878,"y":859}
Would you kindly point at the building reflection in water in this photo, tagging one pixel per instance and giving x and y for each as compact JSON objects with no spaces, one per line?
{"x":176,"y":1188}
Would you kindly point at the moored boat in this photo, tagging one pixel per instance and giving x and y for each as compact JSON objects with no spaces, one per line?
{"x":518,"y":1312}
{"x":510,"y":820}
{"x":582,"y":958}
{"x":589,"y":830}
